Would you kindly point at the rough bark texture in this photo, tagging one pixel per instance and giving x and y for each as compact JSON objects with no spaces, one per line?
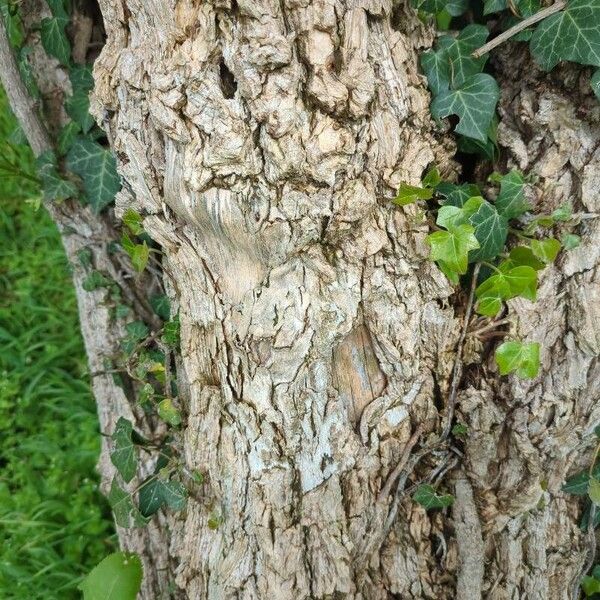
{"x":262,"y":141}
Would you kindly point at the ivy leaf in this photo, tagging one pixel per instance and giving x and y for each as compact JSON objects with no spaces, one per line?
{"x":511,"y":201}
{"x":54,"y":38}
{"x":138,"y":253}
{"x":570,"y":241}
{"x":125,"y":512}
{"x":453,"y":7}
{"x":161,"y":306}
{"x":453,"y":216}
{"x":524,"y":358}
{"x":523,"y":256}
{"x":474,"y":103}
{"x":457,"y":195}
{"x":490,"y":294}
{"x":522,"y":281}
{"x":595,"y":83}
{"x":436,"y":67}
{"x":407,"y":194}
{"x":117,"y":577}
{"x":428,"y":498}
{"x":94,"y":281}
{"x":492,"y":6}
{"x":563,"y":213}
{"x":594,"y":490}
{"x":459,"y":53}
{"x":136,"y":332}
{"x":81,"y":78}
{"x":577,"y":485}
{"x":123,"y":456}
{"x":590,"y":585}
{"x":156,"y":492}
{"x":12,"y":23}
{"x":26,"y":71}
{"x":546,"y":250}
{"x":134,"y":221}
{"x":171,"y":330}
{"x":168,"y":413}
{"x":491,"y":229}
{"x":53,"y":185}
{"x":97,"y":168}
{"x":452,"y":247}
{"x":67,"y":136}
{"x":78,"y":108}
{"x":571,"y":34}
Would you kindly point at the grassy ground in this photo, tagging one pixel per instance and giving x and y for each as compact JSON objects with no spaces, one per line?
{"x":54,"y":524}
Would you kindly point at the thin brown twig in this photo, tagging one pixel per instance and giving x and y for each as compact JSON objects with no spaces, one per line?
{"x":524,"y":24}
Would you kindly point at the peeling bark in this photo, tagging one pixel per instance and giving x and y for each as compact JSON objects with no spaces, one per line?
{"x":262,"y":142}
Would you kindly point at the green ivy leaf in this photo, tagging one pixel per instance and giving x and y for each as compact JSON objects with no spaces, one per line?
{"x":55,"y":188}
{"x":563,"y":213}
{"x":452,"y":247}
{"x":590,"y":585}
{"x":570,"y":241}
{"x":457,"y":195}
{"x":428,"y":498}
{"x":460,"y":54}
{"x":511,"y":201}
{"x":432,"y":178}
{"x":134,"y":221}
{"x":578,"y":484}
{"x":171,"y":330}
{"x":521,"y":280}
{"x":436,"y":66}
{"x":157,"y":492}
{"x":571,"y":34}
{"x":54,"y":38}
{"x":524,"y":358}
{"x":453,"y":216}
{"x":523,"y":256}
{"x":125,"y":512}
{"x":26,"y":71}
{"x":78,"y":108}
{"x":474,"y":103}
{"x":97,"y":168}
{"x":453,"y":7}
{"x":13,"y":24}
{"x":168,"y":412}
{"x":491,"y":230}
{"x":546,"y":250}
{"x":67,"y":136}
{"x":594,"y":490}
{"x":81,"y":78}
{"x":492,"y":6}
{"x":490,"y":294}
{"x":138,"y":253}
{"x":124,"y":456}
{"x":117,"y":577}
{"x":94,"y":281}
{"x":407,"y":194}
{"x":161,"y":305}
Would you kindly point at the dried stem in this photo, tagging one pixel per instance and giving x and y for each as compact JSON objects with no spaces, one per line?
{"x":524,"y":24}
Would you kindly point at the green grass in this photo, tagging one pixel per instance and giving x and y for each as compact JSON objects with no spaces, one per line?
{"x":54,"y":523}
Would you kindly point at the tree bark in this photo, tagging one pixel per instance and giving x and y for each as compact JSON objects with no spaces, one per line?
{"x":262,"y":141}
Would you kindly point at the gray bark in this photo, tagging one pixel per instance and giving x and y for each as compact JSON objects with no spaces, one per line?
{"x":262,"y":141}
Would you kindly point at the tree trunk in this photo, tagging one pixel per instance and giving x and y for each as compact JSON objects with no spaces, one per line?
{"x":262,"y":141}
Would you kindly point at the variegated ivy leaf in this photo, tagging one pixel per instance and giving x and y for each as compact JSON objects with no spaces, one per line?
{"x":474,"y":103}
{"x":97,"y":168}
{"x":571,"y":34}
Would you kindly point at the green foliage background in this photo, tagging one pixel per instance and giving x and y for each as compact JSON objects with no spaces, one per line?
{"x":54,"y":523}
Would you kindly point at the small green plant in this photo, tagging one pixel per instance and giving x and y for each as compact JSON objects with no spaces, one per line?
{"x":429,"y":499}
{"x":501,"y":236}
{"x":117,"y":577}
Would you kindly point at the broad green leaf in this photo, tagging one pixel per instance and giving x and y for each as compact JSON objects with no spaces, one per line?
{"x":452,"y":247}
{"x":523,"y":256}
{"x":136,"y":332}
{"x":170,"y":334}
{"x":124,"y":454}
{"x":97,"y":168}
{"x":67,"y":136}
{"x":457,"y":195}
{"x":138,"y":253}
{"x":54,"y":38}
{"x":570,"y":241}
{"x":134,"y":221}
{"x":563,"y":213}
{"x":55,"y":188}
{"x":571,"y":34}
{"x":590,"y":585}
{"x":125,"y":512}
{"x":94,"y":281}
{"x":492,"y":6}
{"x":460,"y":430}
{"x":81,"y":78}
{"x":453,"y":7}
{"x":490,"y":294}
{"x":474,"y":103}
{"x":491,"y":229}
{"x":432,"y":178}
{"x":595,"y":83}
{"x":453,"y":216}
{"x":594,"y":490}
{"x":12,"y":23}
{"x":78,"y":108}
{"x":459,"y":53}
{"x":157,"y":492}
{"x":407,"y":194}
{"x":436,"y":66}
{"x":524,"y":358}
{"x":577,"y":485}
{"x":428,"y":498}
{"x":117,"y":577}
{"x":511,"y":201}
{"x":168,"y":412}
{"x":161,"y":305}
{"x":546,"y":250}
{"x":522,"y":280}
